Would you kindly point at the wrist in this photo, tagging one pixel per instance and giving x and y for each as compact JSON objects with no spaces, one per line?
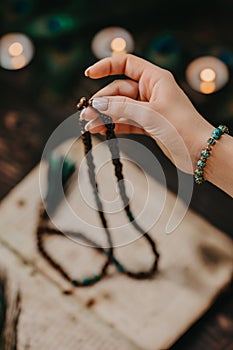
{"x":219,"y":168}
{"x":215,"y":161}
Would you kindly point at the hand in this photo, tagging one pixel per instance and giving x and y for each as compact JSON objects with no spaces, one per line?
{"x":149,"y":102}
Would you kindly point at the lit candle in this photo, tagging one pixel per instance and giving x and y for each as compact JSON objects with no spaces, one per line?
{"x":118,"y":45}
{"x":207,"y":74}
{"x":16,"y":51}
{"x":111,"y":41}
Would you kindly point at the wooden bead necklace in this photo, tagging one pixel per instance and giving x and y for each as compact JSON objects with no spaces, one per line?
{"x":44,"y":230}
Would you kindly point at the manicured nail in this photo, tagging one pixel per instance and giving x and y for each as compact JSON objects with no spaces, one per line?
{"x":88,"y":114}
{"x":100,"y":103}
{"x":86,"y":73}
{"x":82,"y":114}
{"x":88,"y":125}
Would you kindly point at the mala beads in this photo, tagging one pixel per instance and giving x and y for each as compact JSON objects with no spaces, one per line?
{"x":43,"y":230}
{"x":67,"y":169}
{"x":114,"y":149}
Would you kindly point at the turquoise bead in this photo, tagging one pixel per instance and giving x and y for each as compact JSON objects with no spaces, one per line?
{"x":211,"y":141}
{"x":96,"y":278}
{"x":217,"y":133}
{"x":75,"y":283}
{"x":86,"y":281}
{"x":205,"y":153}
{"x":200,"y":164}
{"x":68,"y":169}
{"x":199,"y":172}
{"x":114,"y":260}
{"x":199,"y":180}
{"x":223,"y":128}
{"x":121,"y":268}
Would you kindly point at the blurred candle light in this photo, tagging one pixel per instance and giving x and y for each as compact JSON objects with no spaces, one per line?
{"x":111,"y":41}
{"x":207,"y":74}
{"x":16,"y":51}
{"x":18,"y":62}
{"x":118,"y":45}
{"x":207,"y":87}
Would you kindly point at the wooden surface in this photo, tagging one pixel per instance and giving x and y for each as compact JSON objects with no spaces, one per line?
{"x":51,"y":320}
{"x":185,"y":287}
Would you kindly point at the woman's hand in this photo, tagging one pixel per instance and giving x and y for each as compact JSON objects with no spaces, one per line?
{"x":151,"y":102}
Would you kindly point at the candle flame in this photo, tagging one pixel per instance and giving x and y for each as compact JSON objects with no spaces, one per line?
{"x":208,"y":75}
{"x":15,"y":49}
{"x":118,"y":45}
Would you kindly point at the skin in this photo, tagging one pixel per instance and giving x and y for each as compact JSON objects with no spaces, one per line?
{"x":150,"y":101}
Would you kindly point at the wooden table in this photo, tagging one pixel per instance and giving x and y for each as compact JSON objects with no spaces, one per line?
{"x":25,"y":127}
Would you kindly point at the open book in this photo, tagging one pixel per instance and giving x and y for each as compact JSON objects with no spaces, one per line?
{"x":196,"y":263}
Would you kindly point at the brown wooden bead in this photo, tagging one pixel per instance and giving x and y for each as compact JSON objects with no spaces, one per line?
{"x":83,"y":102}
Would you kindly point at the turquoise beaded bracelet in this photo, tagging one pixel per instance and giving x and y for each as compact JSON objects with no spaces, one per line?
{"x":206,"y":153}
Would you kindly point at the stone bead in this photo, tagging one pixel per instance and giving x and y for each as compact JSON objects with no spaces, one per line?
{"x":201,"y":164}
{"x":216,"y":133}
{"x":86,"y":281}
{"x":211,"y":141}
{"x":199,"y":172}
{"x":199,"y":180}
{"x":121,"y":268}
{"x":205,"y":153}
{"x":223,"y":128}
{"x":96,"y":278}
{"x":75,"y":283}
{"x":114,"y":260}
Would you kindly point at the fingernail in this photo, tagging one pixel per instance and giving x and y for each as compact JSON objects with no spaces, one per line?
{"x":88,"y":114}
{"x":100,"y":103}
{"x":81,"y":116}
{"x":88,"y":125}
{"x":86,"y":73}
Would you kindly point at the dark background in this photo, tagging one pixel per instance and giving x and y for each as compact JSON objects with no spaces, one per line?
{"x":35,"y":99}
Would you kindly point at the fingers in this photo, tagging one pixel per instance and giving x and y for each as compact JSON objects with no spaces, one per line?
{"x":129,"y":65}
{"x":118,"y":107}
{"x":127,"y":88}
{"x":95,"y":126}
{"x":121,"y":127}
